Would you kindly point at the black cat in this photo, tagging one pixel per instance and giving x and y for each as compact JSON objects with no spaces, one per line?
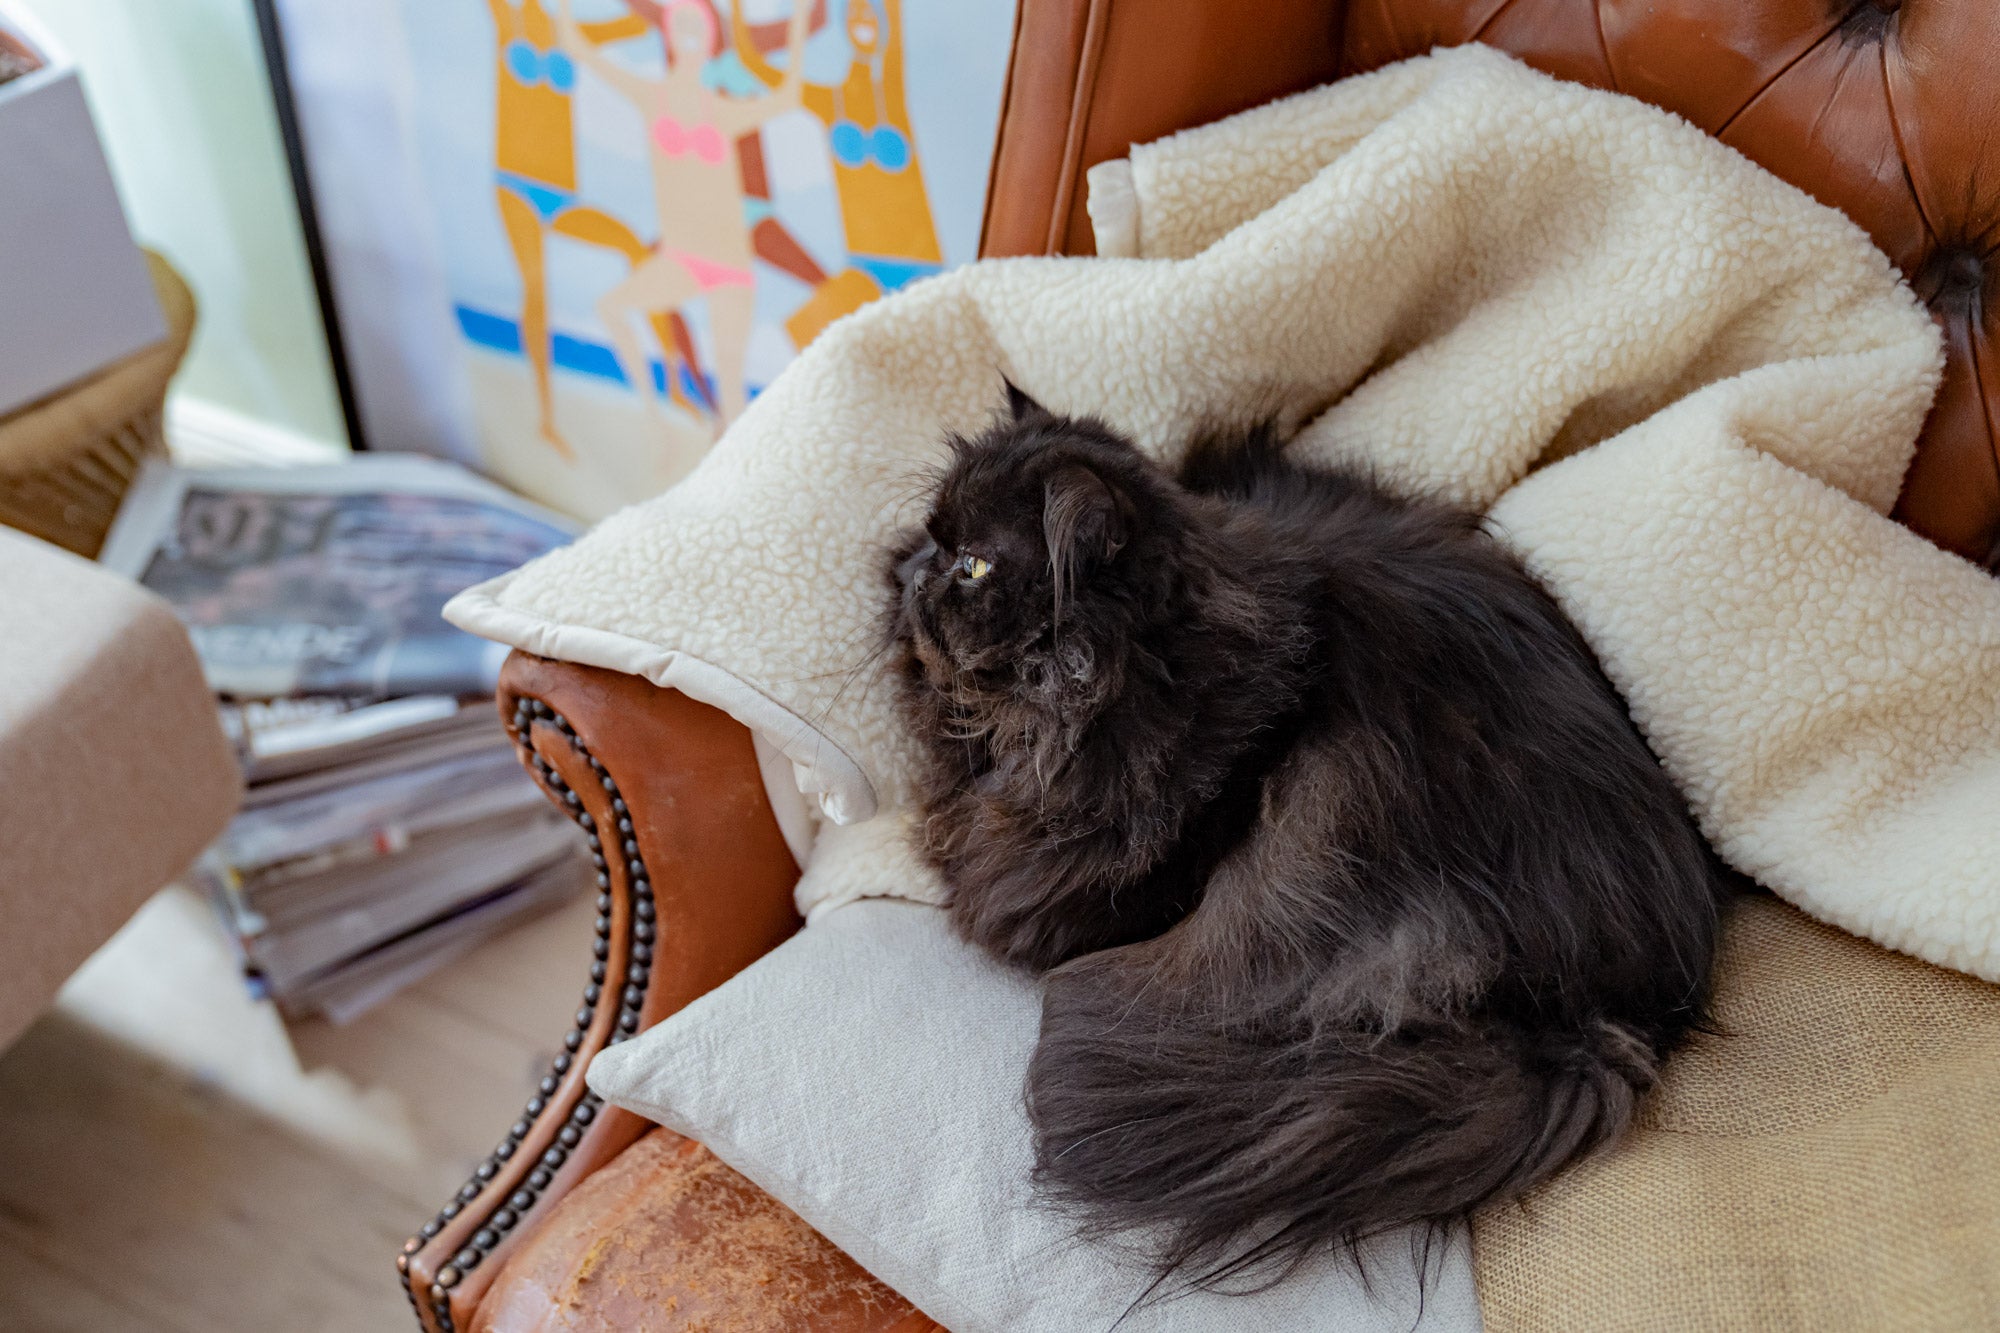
{"x":1361,"y":900}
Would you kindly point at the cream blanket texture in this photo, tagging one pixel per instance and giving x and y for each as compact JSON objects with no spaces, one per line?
{"x":1685,"y":391}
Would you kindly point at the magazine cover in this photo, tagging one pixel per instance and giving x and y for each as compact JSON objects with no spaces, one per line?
{"x":637,"y":211}
{"x":17,"y":55}
{"x":328,"y":581}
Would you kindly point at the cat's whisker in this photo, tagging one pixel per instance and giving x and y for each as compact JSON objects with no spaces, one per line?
{"x":1111,"y":1129}
{"x":858,"y":671}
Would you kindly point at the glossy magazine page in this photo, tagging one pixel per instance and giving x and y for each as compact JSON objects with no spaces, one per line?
{"x":328,"y":580}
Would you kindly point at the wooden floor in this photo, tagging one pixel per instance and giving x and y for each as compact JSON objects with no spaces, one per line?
{"x":171,"y":1157}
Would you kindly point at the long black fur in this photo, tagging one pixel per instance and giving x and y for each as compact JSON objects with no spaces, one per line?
{"x":1361,"y":901}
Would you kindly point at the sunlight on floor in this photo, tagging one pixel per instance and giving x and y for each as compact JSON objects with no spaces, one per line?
{"x":167,"y":985}
{"x":181,"y":1159}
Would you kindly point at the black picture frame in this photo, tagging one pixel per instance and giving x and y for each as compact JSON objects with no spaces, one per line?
{"x":270,"y":33}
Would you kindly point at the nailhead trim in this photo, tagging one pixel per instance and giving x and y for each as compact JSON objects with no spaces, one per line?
{"x":528,"y":712}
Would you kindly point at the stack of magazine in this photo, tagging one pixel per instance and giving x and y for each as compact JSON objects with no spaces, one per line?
{"x":387,"y":825}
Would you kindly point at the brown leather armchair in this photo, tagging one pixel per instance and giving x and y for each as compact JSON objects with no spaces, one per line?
{"x":585,"y":1217}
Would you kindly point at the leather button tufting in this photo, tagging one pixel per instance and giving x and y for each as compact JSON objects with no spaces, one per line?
{"x":1952,"y":281}
{"x":1966,"y":271}
{"x":1883,"y":109}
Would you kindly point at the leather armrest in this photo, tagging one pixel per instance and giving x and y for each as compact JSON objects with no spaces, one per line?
{"x":1090,"y":78}
{"x":695,"y":883}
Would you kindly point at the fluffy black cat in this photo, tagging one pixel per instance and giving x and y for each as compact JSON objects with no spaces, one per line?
{"x":1361,"y":901}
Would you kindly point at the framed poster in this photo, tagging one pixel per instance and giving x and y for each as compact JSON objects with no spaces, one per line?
{"x":567,"y":241}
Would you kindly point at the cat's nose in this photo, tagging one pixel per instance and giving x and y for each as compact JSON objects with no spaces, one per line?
{"x":912,"y":568}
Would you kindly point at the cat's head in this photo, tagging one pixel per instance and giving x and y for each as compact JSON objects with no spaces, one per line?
{"x":1038,"y":537}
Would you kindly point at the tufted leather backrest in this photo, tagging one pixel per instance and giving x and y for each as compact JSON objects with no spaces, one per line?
{"x":1888,"y":111}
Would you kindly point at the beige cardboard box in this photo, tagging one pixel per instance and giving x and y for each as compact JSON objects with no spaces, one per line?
{"x":74,"y":292}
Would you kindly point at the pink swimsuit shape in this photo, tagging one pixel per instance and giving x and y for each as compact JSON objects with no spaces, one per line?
{"x":704,"y":142}
{"x":707,"y":274}
{"x":676,"y":140}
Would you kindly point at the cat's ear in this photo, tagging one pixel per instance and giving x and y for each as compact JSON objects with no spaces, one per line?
{"x":1081,"y":522}
{"x":1019,"y":405}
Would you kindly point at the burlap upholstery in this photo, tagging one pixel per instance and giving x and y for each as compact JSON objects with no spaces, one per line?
{"x":1829,"y":1159}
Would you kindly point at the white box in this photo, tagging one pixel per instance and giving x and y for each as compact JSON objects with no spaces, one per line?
{"x":75,"y":295}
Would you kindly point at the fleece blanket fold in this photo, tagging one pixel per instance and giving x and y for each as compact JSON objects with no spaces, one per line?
{"x":1685,"y":391}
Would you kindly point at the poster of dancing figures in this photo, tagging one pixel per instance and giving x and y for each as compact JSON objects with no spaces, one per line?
{"x":571,"y":240}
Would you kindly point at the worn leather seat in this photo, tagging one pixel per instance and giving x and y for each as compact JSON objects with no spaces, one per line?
{"x":666,"y":1236}
{"x":1888,"y":111}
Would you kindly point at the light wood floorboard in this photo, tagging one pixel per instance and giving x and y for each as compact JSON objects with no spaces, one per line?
{"x":173,"y":1157}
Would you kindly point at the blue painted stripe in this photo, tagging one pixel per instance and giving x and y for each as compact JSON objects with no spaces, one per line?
{"x":585,"y":358}
{"x":502,"y":335}
{"x":578,"y":355}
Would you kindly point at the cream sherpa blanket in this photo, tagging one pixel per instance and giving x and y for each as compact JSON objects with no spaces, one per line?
{"x":1684,"y":390}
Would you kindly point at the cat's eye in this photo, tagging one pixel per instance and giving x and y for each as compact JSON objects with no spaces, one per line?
{"x":972,"y":567}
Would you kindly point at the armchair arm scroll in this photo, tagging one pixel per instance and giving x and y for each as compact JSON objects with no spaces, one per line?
{"x":694,"y":883}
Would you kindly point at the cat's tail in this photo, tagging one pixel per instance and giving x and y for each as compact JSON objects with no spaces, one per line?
{"x":1248,"y":1144}
{"x":1237,"y":464}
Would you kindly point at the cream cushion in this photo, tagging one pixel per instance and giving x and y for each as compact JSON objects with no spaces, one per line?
{"x":868,"y":1073}
{"x":114,"y":772}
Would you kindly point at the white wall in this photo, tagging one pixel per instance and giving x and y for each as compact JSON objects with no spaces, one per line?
{"x":181,"y":100}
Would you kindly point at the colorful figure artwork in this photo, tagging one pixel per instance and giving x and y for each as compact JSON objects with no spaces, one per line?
{"x":534,"y":171}
{"x":890,"y":236}
{"x":685,"y":193}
